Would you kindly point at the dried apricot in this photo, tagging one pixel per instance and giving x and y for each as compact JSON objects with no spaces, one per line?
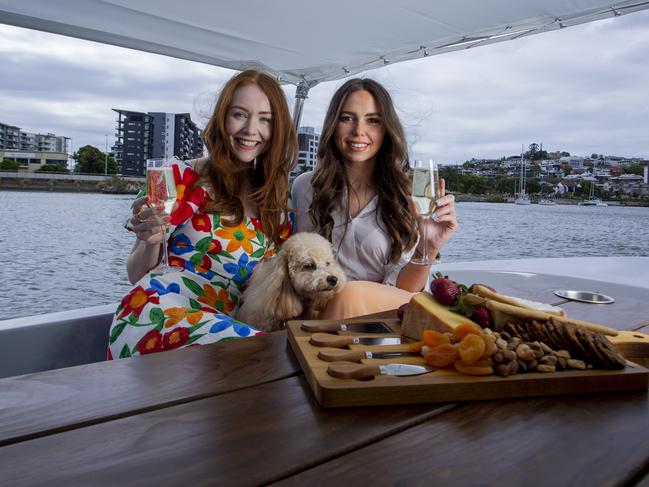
{"x":482,"y":367}
{"x":416,"y":346}
{"x":433,"y":338}
{"x":464,"y":329}
{"x":442,"y":355}
{"x":471,"y":348}
{"x":490,"y":346}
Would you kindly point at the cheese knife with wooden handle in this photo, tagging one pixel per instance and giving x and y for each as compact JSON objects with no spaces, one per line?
{"x":338,"y":341}
{"x":351,"y":370}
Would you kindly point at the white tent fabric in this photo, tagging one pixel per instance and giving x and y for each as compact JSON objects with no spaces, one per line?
{"x":304,"y":42}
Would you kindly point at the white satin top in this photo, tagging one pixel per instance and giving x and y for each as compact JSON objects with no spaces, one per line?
{"x":361,"y":244}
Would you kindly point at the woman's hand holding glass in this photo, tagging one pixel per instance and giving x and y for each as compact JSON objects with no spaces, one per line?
{"x":437,"y":229}
{"x":149,"y":223}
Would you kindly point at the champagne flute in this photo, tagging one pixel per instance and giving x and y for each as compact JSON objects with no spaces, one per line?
{"x":425,"y":190}
{"x":161,"y":189}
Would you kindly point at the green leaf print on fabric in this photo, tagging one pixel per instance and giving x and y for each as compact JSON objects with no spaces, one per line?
{"x":157,"y":316}
{"x":257,"y":254}
{"x":117,"y":331}
{"x":192,"y":329}
{"x":125,"y":353}
{"x":260,"y":237}
{"x":227,"y":254}
{"x":193,"y":286}
{"x":194,"y":304}
{"x":197,"y":258}
{"x":203,"y":245}
{"x":194,"y":338}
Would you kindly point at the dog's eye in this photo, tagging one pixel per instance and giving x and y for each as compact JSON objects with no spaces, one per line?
{"x":309,"y":266}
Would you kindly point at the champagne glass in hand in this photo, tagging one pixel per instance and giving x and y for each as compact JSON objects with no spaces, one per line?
{"x":425,"y":190}
{"x":161,"y":190}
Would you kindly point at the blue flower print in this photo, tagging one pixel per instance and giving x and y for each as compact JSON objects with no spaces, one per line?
{"x":219,"y":326}
{"x":157,"y":286}
{"x":181,"y":244}
{"x":242,"y":270}
{"x":201,"y":271}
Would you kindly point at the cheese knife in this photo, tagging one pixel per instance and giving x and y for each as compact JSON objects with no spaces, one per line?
{"x":352,"y":370}
{"x":360,"y":327}
{"x":336,"y":355}
{"x":341,"y":341}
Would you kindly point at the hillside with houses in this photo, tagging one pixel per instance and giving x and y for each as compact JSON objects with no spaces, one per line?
{"x":557,"y":175}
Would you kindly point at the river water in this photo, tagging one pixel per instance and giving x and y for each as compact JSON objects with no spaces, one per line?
{"x":68,"y":250}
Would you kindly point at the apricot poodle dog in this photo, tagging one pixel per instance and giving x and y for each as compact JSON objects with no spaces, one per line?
{"x":299,"y":280}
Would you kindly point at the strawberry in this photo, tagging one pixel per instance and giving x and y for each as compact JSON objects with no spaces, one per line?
{"x":482,"y":317}
{"x":444,"y":290}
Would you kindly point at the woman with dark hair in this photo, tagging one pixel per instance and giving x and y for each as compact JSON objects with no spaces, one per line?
{"x":231,"y":210}
{"x":358,"y":198}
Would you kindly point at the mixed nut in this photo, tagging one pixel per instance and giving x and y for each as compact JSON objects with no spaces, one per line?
{"x":513,"y":355}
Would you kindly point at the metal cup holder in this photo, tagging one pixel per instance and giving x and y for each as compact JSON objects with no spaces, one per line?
{"x":584,"y":296}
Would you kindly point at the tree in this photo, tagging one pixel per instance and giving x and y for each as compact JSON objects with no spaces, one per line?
{"x":9,"y":165}
{"x":91,"y":160}
{"x":53,"y":168}
{"x":505,"y":184}
{"x":634,"y":169}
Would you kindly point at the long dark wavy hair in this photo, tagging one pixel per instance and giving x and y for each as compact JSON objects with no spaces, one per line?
{"x":270,"y":174}
{"x":390,"y":176}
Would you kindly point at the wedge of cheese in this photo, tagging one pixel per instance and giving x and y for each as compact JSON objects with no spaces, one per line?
{"x":424,"y":313}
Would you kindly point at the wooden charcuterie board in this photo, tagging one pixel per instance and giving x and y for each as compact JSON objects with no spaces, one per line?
{"x":446,"y":385}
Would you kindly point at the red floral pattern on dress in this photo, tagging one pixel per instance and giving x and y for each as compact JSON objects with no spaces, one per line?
{"x":134,"y":302}
{"x":202,"y":222}
{"x":150,"y":343}
{"x":176,"y":338}
{"x":184,"y":210}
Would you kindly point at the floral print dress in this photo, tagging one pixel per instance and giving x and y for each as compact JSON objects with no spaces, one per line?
{"x":194,"y":304}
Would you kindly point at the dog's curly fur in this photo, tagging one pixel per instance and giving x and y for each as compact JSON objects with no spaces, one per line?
{"x":301,"y":278}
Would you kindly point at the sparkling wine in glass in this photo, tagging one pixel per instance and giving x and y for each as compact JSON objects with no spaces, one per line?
{"x":425,"y":190}
{"x":161,"y":190}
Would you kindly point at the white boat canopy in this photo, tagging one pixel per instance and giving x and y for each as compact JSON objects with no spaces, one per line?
{"x":304,"y":42}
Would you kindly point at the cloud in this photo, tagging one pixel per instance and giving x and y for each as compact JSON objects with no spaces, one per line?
{"x":580,"y":89}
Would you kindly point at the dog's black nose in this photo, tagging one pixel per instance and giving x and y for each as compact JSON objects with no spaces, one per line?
{"x":332,"y":280}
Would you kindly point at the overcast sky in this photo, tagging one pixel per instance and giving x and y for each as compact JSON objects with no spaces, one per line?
{"x":583,"y":90}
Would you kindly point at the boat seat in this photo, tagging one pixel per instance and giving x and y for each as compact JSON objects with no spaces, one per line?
{"x":54,"y":340}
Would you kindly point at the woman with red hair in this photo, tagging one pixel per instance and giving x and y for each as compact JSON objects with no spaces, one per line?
{"x":231,"y":210}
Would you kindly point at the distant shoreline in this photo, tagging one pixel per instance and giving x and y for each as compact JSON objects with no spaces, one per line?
{"x":61,"y":186}
{"x":468,"y":198}
{"x":92,"y":187}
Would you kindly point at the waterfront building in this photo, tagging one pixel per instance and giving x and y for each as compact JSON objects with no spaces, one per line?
{"x":14,"y":138}
{"x":308,"y":140}
{"x":141,"y":136}
{"x":31,"y":161}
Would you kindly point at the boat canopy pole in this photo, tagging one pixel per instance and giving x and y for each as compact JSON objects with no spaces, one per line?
{"x":301,"y":94}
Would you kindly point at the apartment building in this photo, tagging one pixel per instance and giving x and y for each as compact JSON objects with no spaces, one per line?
{"x":141,"y":136}
{"x":308,"y":141}
{"x":14,"y":138}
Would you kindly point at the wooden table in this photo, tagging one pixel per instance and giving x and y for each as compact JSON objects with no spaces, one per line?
{"x":241,"y":413}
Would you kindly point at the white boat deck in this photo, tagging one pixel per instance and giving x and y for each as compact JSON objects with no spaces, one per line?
{"x":628,"y":271}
